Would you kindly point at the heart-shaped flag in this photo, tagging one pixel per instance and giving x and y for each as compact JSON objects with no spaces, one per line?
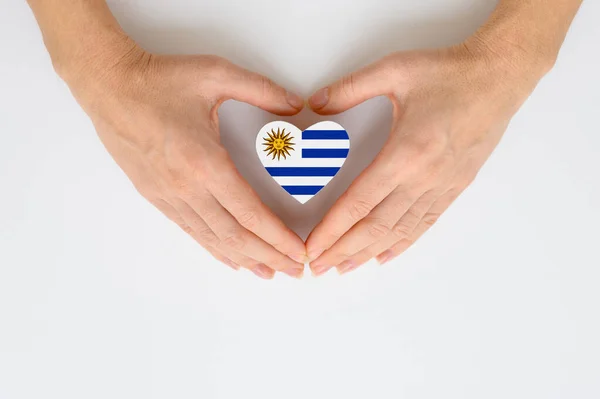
{"x":302,"y":162}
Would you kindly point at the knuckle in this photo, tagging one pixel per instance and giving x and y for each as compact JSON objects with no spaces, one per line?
{"x":215,"y":66}
{"x":218,"y":157}
{"x":436,"y":168}
{"x":359,"y":209}
{"x":210,"y":216}
{"x":181,"y":186}
{"x":188,"y":160}
{"x":391,"y":68}
{"x":430,"y":219}
{"x":211,"y":74}
{"x":275,"y":262}
{"x":402,"y":229}
{"x":428,"y":147}
{"x":250,"y":219}
{"x":194,"y":160}
{"x":176,"y":178}
{"x":340,"y":254}
{"x":443,"y":164}
{"x":267,"y":86}
{"x":378,"y":229}
{"x":205,"y":235}
{"x":235,"y":240}
{"x":412,"y":215}
{"x":348,"y":84}
{"x":393,"y":65}
{"x":332,"y":236}
{"x":186,"y":228}
{"x":279,"y":245}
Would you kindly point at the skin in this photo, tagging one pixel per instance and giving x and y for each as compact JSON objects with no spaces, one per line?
{"x":157,"y":116}
{"x":451,"y":108}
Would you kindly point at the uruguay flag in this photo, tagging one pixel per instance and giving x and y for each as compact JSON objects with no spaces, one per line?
{"x":315,"y":156}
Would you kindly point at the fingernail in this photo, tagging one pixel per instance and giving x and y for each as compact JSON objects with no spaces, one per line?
{"x":295,"y":100}
{"x":263,"y":271}
{"x":296,"y":273}
{"x":385,"y":257}
{"x":346,"y":266}
{"x":299,"y":258}
{"x":319,"y":99}
{"x":231,"y":264}
{"x":319,"y":270}
{"x":314,"y":254}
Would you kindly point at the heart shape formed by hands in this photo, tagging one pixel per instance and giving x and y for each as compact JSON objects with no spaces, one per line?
{"x":302,"y":162}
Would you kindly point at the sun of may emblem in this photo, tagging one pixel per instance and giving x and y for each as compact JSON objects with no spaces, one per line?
{"x":279,"y":144}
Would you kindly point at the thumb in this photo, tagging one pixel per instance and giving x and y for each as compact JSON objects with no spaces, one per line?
{"x":260,"y":91}
{"x":371,"y":81}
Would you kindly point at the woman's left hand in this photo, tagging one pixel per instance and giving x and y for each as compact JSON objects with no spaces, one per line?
{"x":451,"y":108}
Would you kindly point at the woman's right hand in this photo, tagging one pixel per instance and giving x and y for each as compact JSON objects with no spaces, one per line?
{"x":157,"y":116}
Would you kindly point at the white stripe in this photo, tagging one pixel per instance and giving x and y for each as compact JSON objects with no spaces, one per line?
{"x":325,"y":144}
{"x":306,"y":162}
{"x":303,"y":199}
{"x":326,"y":125}
{"x":302,"y":181}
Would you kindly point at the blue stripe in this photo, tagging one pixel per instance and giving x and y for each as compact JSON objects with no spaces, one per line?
{"x":325,"y":153}
{"x":280,"y":171}
{"x":302,"y":190}
{"x":325,"y":135}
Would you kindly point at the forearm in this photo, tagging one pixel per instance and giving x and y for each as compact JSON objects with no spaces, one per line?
{"x":530,"y":30}
{"x":80,"y":34}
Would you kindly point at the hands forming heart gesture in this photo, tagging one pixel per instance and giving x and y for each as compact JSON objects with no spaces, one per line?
{"x":157,"y":116}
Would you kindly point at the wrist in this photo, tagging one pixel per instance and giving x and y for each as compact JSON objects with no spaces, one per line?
{"x":522,"y":57}
{"x":520,"y":37}
{"x":115,"y":67}
{"x":506,"y":63}
{"x":96,"y":58}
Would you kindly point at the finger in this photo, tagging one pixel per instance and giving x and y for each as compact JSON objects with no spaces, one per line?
{"x":375,"y":226}
{"x":202,"y":233}
{"x":393,"y":219}
{"x":410,"y":234}
{"x":258,"y":269}
{"x":403,"y":228}
{"x":235,"y":195}
{"x":234,"y":237}
{"x":432,"y":216}
{"x":374,"y":80}
{"x":170,"y":212}
{"x":369,"y":189}
{"x":221,"y":258}
{"x":376,"y":248}
{"x":262,"y":271}
{"x":258,"y":90}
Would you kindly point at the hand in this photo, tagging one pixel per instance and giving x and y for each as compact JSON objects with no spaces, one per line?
{"x":451,"y":107}
{"x":157,"y":116}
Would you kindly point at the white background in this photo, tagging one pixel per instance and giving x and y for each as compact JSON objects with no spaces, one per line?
{"x":102,"y":297}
